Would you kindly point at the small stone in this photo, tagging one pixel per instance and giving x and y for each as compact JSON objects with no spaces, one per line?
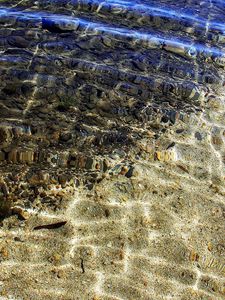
{"x":107,"y":41}
{"x":198,"y":136}
{"x":89,"y":163}
{"x":62,"y":179}
{"x":210,"y":247}
{"x":124,"y":170}
{"x":166,"y":155}
{"x":65,"y":136}
{"x":12,"y":156}
{"x":4,"y":189}
{"x":34,"y":179}
{"x":22,"y":214}
{"x":194,"y":256}
{"x":2,"y":156}
{"x":104,"y":105}
{"x":5,"y":206}
{"x":5,"y":136}
{"x":55,"y":258}
{"x":4,"y":253}
{"x":18,"y":239}
{"x":60,"y":274}
{"x":18,"y":41}
{"x":179,"y":131}
{"x":130,"y":172}
{"x":107,"y":212}
{"x":217,"y":140}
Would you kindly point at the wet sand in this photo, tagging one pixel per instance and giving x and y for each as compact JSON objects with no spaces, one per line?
{"x":157,"y":235}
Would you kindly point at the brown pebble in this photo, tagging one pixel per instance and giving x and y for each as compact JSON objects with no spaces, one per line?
{"x":210,"y":246}
{"x":4,"y":253}
{"x":194,"y":256}
{"x":124,"y":170}
{"x":107,"y":212}
{"x":24,"y":215}
{"x":97,"y":166}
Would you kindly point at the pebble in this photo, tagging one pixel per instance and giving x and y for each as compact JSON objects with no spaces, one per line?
{"x":22,"y":214}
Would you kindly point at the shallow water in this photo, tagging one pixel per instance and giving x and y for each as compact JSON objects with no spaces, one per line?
{"x":112,"y":149}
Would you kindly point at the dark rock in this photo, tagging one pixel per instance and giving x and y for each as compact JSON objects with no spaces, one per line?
{"x":18,"y":41}
{"x":5,"y":202}
{"x":198,"y":136}
{"x":130,"y":172}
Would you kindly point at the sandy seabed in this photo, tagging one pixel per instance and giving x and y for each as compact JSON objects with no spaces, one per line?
{"x":156,"y":235}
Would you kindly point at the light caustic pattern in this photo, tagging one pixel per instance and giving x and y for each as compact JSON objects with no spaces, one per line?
{"x":153,"y":237}
{"x":158,"y":234}
{"x":209,"y":30}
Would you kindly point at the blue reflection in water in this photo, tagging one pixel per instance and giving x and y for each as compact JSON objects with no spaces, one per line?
{"x":117,"y":6}
{"x":157,"y":11}
{"x":182,"y":46}
{"x":51,"y":21}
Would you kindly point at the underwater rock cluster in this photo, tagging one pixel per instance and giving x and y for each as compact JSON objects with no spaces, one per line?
{"x":112,"y":149}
